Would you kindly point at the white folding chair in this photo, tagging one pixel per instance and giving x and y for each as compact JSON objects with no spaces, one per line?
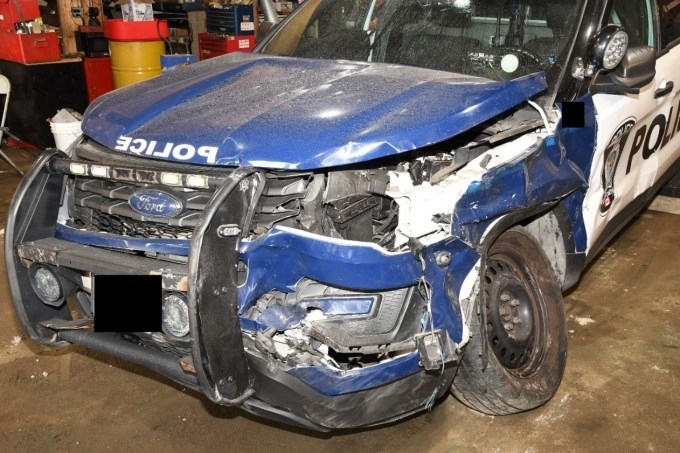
{"x":5,"y":88}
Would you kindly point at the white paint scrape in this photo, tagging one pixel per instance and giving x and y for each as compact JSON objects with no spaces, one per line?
{"x":656,"y":368}
{"x":420,"y":205}
{"x":555,"y":413}
{"x":584,"y":321}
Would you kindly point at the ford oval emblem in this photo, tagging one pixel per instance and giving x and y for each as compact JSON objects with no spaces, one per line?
{"x":155,"y":203}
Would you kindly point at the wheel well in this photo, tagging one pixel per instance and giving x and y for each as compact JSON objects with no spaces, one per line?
{"x":553,"y":233}
{"x":547,"y":232}
{"x":552,"y":229}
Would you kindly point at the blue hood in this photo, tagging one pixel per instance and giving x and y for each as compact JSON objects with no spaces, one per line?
{"x":289,"y":113}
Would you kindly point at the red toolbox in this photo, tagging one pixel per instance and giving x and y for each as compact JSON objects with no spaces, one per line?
{"x":12,"y":11}
{"x":214,"y":45}
{"x":98,"y":76}
{"x":29,"y":48}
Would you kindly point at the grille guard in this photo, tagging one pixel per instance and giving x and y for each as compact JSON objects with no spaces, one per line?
{"x":217,"y":344}
{"x":32,"y":215}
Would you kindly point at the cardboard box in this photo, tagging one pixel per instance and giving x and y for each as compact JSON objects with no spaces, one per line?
{"x":284,"y":7}
{"x":136,"y":10}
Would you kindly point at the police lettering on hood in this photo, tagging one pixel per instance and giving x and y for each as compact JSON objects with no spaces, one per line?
{"x":180,"y":151}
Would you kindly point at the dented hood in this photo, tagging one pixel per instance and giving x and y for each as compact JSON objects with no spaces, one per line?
{"x":289,"y":113}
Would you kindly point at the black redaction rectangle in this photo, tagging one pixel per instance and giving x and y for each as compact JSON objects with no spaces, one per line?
{"x":127,"y":303}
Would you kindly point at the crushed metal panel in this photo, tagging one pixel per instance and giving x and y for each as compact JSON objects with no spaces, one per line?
{"x":544,"y":175}
{"x":281,"y":258}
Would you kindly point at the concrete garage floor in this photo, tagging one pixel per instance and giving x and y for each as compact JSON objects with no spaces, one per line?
{"x":621,"y":390}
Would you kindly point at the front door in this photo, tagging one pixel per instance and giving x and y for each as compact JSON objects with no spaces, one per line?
{"x":636,"y":138}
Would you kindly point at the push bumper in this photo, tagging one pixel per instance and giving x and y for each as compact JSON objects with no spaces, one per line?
{"x":222,"y":369}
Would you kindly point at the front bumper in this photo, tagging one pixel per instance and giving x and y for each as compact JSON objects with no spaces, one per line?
{"x":220,"y":366}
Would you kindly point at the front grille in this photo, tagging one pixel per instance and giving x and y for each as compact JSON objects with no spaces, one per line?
{"x":102,"y":206}
{"x":112,"y":198}
{"x":280,"y":200}
{"x":93,"y":220}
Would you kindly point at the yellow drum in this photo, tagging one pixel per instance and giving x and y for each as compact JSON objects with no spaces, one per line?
{"x":136,"y":48}
{"x":132,"y":62}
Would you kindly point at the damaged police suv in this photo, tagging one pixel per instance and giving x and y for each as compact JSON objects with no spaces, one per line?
{"x":382,"y":203}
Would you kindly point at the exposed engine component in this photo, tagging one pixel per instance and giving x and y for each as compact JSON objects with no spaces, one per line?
{"x":348,"y":204}
{"x":349,"y":329}
{"x":359,"y":204}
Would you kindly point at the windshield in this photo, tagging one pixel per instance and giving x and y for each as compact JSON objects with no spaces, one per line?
{"x":499,"y":40}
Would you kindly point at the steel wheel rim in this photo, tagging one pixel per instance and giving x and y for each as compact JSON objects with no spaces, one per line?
{"x":516,"y":323}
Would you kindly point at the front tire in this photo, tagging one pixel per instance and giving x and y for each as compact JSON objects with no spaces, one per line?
{"x":522,"y":332}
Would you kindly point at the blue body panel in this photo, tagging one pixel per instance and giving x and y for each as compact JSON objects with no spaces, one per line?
{"x":318,"y":113}
{"x":543,"y":176}
{"x":580,"y":144}
{"x":279,"y":259}
{"x":446,"y":312}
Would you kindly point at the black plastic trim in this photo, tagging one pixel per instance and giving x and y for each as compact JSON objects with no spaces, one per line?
{"x":264,"y":410}
{"x":575,"y":262}
{"x":376,"y":406}
{"x":508,"y":220}
{"x":112,"y":344}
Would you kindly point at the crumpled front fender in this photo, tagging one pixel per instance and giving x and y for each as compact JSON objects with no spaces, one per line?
{"x":542,"y":176}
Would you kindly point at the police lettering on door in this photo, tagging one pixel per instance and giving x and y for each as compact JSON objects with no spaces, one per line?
{"x":648,"y":139}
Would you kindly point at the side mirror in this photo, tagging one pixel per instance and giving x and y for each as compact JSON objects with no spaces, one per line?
{"x":636,"y":69}
{"x":621,"y":69}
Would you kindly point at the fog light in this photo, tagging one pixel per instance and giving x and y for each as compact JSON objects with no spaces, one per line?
{"x":46,"y":285}
{"x":176,"y":315}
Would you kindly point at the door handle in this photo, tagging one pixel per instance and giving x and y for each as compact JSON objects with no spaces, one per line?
{"x":661,"y":92}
